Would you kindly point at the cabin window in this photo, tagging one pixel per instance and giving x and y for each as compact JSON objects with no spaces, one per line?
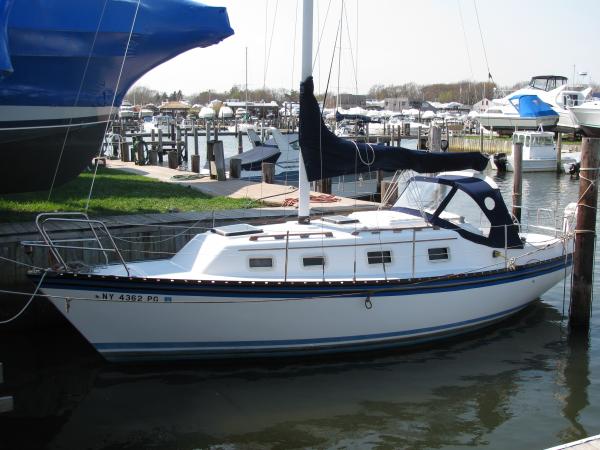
{"x":438,"y":253}
{"x":379,"y":257}
{"x":312,"y":261}
{"x":262,"y":263}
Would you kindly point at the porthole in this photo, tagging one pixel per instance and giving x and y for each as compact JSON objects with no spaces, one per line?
{"x":489,"y":203}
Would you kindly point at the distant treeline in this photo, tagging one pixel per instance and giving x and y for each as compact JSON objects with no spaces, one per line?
{"x":465,"y":92}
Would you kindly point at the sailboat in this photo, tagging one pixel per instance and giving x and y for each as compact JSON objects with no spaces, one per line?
{"x":445,"y":260}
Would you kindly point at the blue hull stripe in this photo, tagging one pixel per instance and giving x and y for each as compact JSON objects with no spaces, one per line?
{"x":295,"y":342}
{"x":298,"y":290}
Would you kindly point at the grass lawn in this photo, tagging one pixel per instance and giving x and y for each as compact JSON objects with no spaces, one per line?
{"x":115,"y":192}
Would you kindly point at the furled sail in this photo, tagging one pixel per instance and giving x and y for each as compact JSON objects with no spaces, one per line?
{"x":326,"y":155}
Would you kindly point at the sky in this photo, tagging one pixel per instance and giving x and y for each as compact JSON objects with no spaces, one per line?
{"x":392,"y":42}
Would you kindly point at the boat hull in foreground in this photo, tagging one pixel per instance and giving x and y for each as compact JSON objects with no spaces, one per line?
{"x":129,"y":319}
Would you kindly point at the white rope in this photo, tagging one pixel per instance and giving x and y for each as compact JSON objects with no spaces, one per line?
{"x":16,"y":316}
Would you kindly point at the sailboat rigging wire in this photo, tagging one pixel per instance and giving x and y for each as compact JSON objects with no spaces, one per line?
{"x":462,"y":24}
{"x":268,"y":54}
{"x":482,"y":42}
{"x":294,"y":55}
{"x":87,"y":64}
{"x":351,"y":52}
{"x":137,"y":8}
{"x":321,"y":36}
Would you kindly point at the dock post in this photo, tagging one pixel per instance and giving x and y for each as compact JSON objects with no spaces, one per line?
{"x":435,"y":139}
{"x":153,"y":138}
{"x":124,"y":151}
{"x":235,"y":168}
{"x":585,"y":236}
{"x":172,"y":132}
{"x":216,"y":131}
{"x":153,"y":157}
{"x":419,"y":138}
{"x":268,"y":172}
{"x":517,"y":180}
{"x":240,"y":143}
{"x":219,"y":161}
{"x":196,"y":163}
{"x":481,"y":139}
{"x":208,"y":124}
{"x":324,"y":185}
{"x":160,"y":141}
{"x":559,"y":168}
{"x":196,"y":144}
{"x":139,"y":152}
{"x":173,"y":159}
{"x":380,"y":175}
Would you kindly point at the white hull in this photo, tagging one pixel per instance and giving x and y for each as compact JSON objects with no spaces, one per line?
{"x":510,"y":122}
{"x":533,"y":165}
{"x":193,"y":325}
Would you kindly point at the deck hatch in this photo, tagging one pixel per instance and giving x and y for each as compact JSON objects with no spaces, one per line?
{"x":339,"y":219}
{"x":236,"y":230}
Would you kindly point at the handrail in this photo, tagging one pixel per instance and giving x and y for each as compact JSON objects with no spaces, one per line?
{"x":287,"y":235}
{"x":44,"y":219}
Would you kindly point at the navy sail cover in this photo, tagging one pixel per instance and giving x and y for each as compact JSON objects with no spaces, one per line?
{"x":326,"y":155}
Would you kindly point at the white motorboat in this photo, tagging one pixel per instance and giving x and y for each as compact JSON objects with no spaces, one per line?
{"x":551,"y":89}
{"x":587,"y":116}
{"x":539,"y":153}
{"x":521,"y":112}
{"x":160,"y":122}
{"x":447,"y":259}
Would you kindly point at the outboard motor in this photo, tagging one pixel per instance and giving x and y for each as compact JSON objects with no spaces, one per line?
{"x":574,"y":170}
{"x":500,"y":161}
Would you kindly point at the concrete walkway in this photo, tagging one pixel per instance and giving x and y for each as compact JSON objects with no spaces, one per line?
{"x":270,"y":194}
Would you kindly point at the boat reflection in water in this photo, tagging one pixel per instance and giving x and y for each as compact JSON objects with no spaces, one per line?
{"x":466,"y":393}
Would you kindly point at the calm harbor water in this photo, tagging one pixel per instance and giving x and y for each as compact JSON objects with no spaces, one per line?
{"x":520,"y":385}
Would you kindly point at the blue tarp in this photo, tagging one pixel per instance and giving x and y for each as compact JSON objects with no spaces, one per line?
{"x":532,"y":106}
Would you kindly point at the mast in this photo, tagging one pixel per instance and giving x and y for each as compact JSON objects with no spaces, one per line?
{"x":307,"y":35}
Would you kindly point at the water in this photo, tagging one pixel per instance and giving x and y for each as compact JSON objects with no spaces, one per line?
{"x":523,"y":384}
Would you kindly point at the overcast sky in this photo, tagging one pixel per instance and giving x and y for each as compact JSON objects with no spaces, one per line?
{"x":394,"y":42}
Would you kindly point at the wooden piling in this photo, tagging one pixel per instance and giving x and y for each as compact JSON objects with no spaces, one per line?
{"x":196,"y":144}
{"x":324,"y":185}
{"x":235,"y":168}
{"x":559,"y":168}
{"x":585,"y":236}
{"x":124,"y":151}
{"x":419,"y":138}
{"x":153,"y":138}
{"x":268,"y":172}
{"x":139,"y":151}
{"x":435,"y":139}
{"x":517,"y":180}
{"x":160,"y":141}
{"x":481,"y":139}
{"x":196,"y":163}
{"x":219,"y":160}
{"x":240,"y":143}
{"x":153,"y":157}
{"x":173,"y":159}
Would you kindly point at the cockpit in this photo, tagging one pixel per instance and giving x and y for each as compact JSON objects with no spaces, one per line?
{"x":463,"y":202}
{"x":547,"y":82}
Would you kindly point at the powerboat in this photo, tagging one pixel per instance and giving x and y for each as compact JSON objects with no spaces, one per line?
{"x":445,"y":260}
{"x":539,"y":153}
{"x":66,"y":66}
{"x":522,"y":112}
{"x":551,"y":89}
{"x":587,"y":116}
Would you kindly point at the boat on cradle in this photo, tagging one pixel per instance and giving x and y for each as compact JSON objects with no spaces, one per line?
{"x":551,"y":89}
{"x":522,"y":112}
{"x":66,"y":66}
{"x":587,"y":116}
{"x":445,"y":260}
{"x":539,"y":153}
{"x":279,"y":149}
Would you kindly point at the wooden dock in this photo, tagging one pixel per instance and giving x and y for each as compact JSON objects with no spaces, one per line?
{"x":270,"y":194}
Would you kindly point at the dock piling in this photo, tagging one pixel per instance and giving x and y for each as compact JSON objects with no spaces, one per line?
{"x":235,"y":168}
{"x":585,"y":236}
{"x":268,"y":173}
{"x":558,"y":152}
{"x":240,"y":143}
{"x":517,"y":180}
